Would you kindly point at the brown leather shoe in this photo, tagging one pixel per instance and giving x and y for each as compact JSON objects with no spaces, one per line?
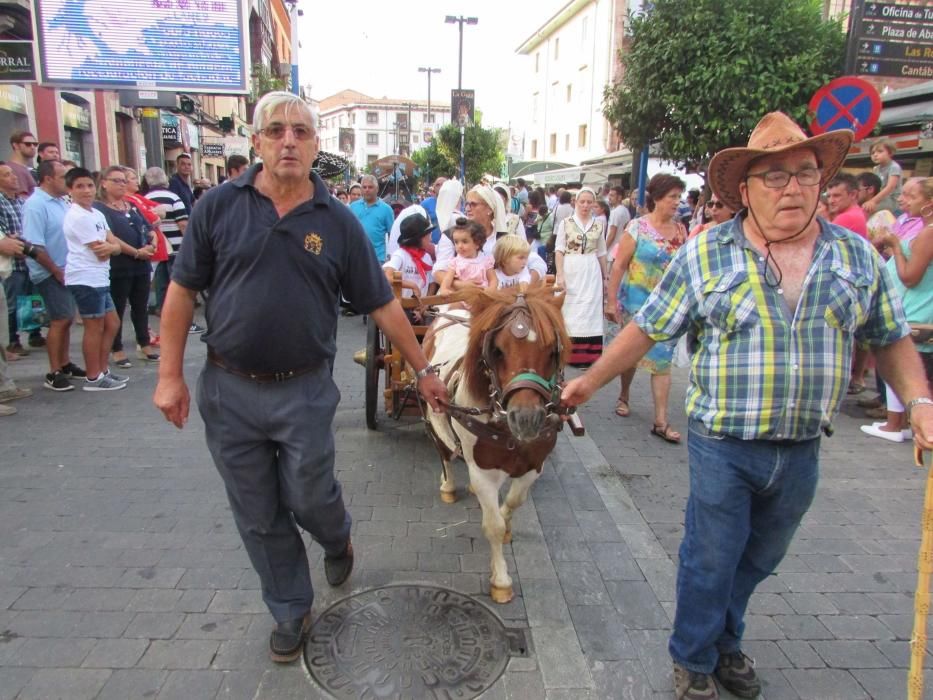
{"x":288,"y":638}
{"x":736,"y":673}
{"x":690,"y":685}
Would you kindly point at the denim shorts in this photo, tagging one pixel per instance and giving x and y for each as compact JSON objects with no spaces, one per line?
{"x":93,"y":302}
{"x":59,"y":302}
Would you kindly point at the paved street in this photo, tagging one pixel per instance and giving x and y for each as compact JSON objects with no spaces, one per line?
{"x":122,"y":575}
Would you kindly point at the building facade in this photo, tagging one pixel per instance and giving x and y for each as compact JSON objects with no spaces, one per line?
{"x":99,"y":128}
{"x":569,"y":61}
{"x":365,"y":128}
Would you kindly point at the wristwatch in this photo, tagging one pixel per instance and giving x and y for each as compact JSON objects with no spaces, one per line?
{"x":917,"y":402}
{"x":422,"y":373}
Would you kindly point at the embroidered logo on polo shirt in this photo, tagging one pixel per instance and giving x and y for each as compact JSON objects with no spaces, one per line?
{"x":313,"y":243}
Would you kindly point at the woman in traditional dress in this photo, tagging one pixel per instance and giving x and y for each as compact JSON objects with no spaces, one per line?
{"x":580,"y":259}
{"x":644,"y":253}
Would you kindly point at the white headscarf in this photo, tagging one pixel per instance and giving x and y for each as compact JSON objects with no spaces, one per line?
{"x":495,"y":203}
{"x":447,"y":201}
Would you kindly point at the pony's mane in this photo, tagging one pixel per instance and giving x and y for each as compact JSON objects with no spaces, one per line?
{"x":487,"y":307}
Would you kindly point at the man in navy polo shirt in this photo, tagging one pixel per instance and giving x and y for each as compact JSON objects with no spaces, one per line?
{"x":275,"y":250}
{"x":375,"y":215}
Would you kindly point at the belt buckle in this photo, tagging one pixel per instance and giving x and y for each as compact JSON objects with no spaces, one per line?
{"x":282,"y":376}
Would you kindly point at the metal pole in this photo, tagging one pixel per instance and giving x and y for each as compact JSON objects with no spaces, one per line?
{"x":151,"y":124}
{"x":293,"y":18}
{"x":460,"y":62}
{"x":642,"y":175}
{"x":430,"y":121}
{"x":462,"y":161}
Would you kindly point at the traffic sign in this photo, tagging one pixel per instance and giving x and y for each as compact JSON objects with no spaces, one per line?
{"x":890,"y":39}
{"x":845,"y":103}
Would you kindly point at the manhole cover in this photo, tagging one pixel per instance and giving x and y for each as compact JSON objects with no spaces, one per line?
{"x":407,"y":641}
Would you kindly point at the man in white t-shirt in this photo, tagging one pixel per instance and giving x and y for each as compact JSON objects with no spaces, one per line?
{"x":618,"y":215}
{"x":87,"y":277}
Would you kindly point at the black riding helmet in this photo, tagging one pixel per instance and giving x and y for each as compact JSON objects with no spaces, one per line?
{"x":413,"y":229}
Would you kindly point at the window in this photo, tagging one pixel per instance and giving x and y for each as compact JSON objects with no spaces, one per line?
{"x":401,"y":118}
{"x":534,"y":148}
{"x":537,"y":61}
{"x":414,"y":138}
{"x":581,"y":136}
{"x":372,"y":117}
{"x":566,"y":142}
{"x":569,"y":92}
{"x":534,"y":107}
{"x":584,"y":29}
{"x":372,"y":139}
{"x":371,"y":158}
{"x":556,"y":47}
{"x":353,"y":117}
{"x":553,"y":144}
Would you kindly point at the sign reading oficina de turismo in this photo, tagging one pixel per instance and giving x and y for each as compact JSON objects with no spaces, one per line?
{"x":891,"y":39}
{"x":181,"y":45}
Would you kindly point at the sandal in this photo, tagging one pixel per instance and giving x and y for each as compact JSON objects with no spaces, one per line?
{"x":622,"y":409}
{"x":665,"y":432}
{"x":855,"y":388}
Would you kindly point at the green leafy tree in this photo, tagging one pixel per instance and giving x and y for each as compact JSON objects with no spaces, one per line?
{"x":481,"y":149}
{"x":699,"y":74}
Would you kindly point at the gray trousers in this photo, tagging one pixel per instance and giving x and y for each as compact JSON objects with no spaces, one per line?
{"x":273,"y":445}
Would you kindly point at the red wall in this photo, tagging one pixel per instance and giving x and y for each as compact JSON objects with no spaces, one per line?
{"x":46,"y":113}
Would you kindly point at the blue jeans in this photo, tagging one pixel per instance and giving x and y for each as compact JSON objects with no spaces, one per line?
{"x":747,"y":498}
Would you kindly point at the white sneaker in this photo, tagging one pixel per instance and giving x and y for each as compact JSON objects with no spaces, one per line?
{"x":906,"y":432}
{"x":103,"y":383}
{"x":7,"y":410}
{"x":875,"y":431}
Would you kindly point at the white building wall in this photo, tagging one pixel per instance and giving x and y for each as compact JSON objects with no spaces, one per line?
{"x":570,"y":127}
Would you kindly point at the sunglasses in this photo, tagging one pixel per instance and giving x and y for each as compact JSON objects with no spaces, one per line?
{"x":29,"y":143}
{"x":470,"y":205}
{"x":715,"y":205}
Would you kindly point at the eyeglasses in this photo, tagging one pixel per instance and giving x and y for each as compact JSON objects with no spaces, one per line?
{"x":776,"y":179}
{"x":470,"y":205}
{"x":301,"y":132}
{"x":116,"y":181}
{"x":715,"y":205}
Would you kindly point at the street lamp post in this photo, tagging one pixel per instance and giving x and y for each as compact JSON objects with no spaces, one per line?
{"x":429,"y":70}
{"x":294,"y":13}
{"x":461,"y":20}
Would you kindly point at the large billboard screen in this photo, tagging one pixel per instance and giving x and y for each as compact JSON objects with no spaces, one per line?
{"x":181,"y":45}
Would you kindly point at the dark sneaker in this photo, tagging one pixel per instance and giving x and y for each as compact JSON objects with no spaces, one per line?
{"x":57,"y":381}
{"x":690,"y":685}
{"x":72,"y":371}
{"x":17,"y":349}
{"x":736,"y":673}
{"x":36,"y":341}
{"x":195,"y":328}
{"x":287,"y":639}
{"x":103,"y":383}
{"x":337,"y":569}
{"x":118,"y":378}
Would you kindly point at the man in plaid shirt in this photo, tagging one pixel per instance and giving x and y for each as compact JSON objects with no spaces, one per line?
{"x":772,"y":303}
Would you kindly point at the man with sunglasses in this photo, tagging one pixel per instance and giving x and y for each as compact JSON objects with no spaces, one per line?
{"x":23,"y":145}
{"x":274,"y":250}
{"x":772,"y":303}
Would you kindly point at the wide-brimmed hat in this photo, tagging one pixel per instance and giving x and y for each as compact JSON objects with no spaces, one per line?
{"x":413,"y":229}
{"x":775,"y":133}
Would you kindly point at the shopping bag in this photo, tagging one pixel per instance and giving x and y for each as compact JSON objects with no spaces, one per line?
{"x":31,"y":314}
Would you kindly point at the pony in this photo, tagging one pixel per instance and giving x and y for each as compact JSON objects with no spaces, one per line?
{"x":502,"y":362}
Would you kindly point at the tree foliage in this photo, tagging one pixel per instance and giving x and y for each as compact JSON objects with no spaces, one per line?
{"x":699,"y":74}
{"x":481,"y":149}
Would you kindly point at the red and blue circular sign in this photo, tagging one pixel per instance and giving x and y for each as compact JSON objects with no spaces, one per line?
{"x":845,"y":103}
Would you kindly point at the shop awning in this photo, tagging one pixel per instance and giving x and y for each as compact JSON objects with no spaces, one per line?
{"x":527,"y":168}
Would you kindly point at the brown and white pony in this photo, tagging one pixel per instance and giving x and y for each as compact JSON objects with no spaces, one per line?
{"x":502,"y":362}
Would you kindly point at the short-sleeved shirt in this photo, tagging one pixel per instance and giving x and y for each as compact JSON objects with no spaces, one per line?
{"x":275,"y":282}
{"x":619,"y":217}
{"x":446,"y":252}
{"x":853,"y":219}
{"x":43,"y":218}
{"x":377,"y":219}
{"x":472,"y":269}
{"x":402,"y":261}
{"x":522,"y":277}
{"x":175,"y":214}
{"x":27,"y":183}
{"x":885,"y":172}
{"x":82,"y":227}
{"x":759,"y":370}
{"x":131,"y":228}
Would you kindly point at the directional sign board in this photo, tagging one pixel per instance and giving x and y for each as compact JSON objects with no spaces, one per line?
{"x":891,"y":39}
{"x":845,"y":103}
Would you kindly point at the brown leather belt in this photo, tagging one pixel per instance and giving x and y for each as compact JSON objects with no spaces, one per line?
{"x":261,"y":377}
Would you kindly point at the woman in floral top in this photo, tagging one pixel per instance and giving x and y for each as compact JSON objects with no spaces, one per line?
{"x":644,"y":253}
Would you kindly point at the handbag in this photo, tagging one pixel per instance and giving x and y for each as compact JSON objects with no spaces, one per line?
{"x":31,"y":313}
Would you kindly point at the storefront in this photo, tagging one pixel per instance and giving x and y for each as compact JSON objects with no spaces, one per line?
{"x":14,"y":114}
{"x":78,"y":144}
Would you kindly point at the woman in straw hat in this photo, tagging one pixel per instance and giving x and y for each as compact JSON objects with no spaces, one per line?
{"x":772,"y":303}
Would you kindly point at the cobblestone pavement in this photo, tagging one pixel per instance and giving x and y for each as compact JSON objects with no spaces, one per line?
{"x":122,"y":576}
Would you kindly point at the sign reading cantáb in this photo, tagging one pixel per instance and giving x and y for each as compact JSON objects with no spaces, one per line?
{"x":890,"y":39}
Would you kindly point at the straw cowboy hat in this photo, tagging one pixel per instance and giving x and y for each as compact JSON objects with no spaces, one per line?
{"x":775,"y":133}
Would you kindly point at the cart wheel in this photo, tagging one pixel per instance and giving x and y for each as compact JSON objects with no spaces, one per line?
{"x":373,"y":362}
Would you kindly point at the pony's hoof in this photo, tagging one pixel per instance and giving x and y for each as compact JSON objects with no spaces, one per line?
{"x":507,"y":537}
{"x":501,"y":594}
{"x":449,"y":496}
{"x":471,"y":489}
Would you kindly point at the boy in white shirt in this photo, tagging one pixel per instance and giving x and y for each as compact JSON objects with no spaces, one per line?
{"x":411,"y":258}
{"x":87,"y":276}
